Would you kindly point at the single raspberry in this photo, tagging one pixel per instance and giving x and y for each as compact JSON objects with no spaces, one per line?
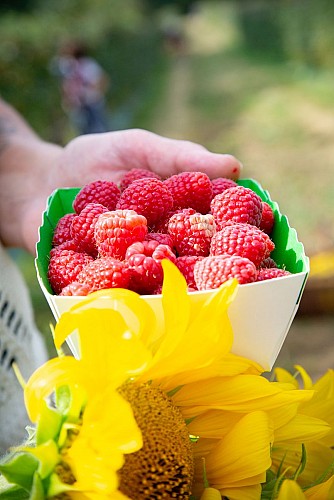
{"x":267,"y":219}
{"x":192,"y":233}
{"x":62,"y":231}
{"x":268,"y":262}
{"x":162,"y":238}
{"x":220,"y":184}
{"x":144,"y":261}
{"x":162,"y":225}
{"x":67,"y":245}
{"x":76,"y":289}
{"x":148,"y":197}
{"x":211,"y":272}
{"x":115,"y":231}
{"x":135,"y":174}
{"x":238,"y":204}
{"x":270,"y":273}
{"x":64,"y":267}
{"x":105,"y":272}
{"x":244,"y":240}
{"x":186,"y":265}
{"x":83,"y":225}
{"x":106,"y":193}
{"x":190,"y":190}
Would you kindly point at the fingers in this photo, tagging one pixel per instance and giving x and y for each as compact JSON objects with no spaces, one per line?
{"x":170,"y":156}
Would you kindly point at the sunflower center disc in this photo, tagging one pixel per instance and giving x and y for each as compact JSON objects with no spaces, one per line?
{"x":163,"y":468}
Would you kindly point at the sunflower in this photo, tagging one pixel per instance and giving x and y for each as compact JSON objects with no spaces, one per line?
{"x":156,"y":406}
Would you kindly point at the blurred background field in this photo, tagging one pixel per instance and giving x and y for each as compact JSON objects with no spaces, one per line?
{"x":254,"y":78}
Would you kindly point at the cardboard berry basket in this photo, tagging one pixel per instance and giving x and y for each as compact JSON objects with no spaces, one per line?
{"x":261,"y":313}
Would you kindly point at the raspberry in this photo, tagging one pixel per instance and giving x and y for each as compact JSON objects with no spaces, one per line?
{"x":270,"y":273}
{"x":220,"y":184}
{"x":115,"y":231}
{"x":162,"y":238}
{"x":64,"y":267}
{"x":244,"y":240}
{"x":67,"y":245}
{"x":106,"y":193}
{"x":162,"y":225}
{"x":105,"y":272}
{"x":62,"y":230}
{"x":83,"y":225}
{"x":76,"y":289}
{"x":268,"y":262}
{"x":186,"y":265}
{"x":144,"y":261}
{"x":147,"y":197}
{"x":238,"y":204}
{"x":211,"y":272}
{"x":192,"y":233}
{"x":190,"y":190}
{"x":134,"y":175}
{"x":267,"y":219}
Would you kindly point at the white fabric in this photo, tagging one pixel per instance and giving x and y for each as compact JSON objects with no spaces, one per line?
{"x":19,"y":341}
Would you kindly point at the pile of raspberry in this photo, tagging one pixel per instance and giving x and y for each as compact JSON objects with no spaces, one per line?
{"x":212,"y":230}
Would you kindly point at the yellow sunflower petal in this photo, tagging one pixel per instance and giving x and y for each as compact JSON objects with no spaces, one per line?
{"x":307,"y":381}
{"x":207,"y":337}
{"x":252,"y":492}
{"x":321,"y":491}
{"x":318,"y":459}
{"x":239,"y":393}
{"x":54,"y":373}
{"x":290,"y":490}
{"x":110,"y":352}
{"x":138,"y":315}
{"x":213,"y":423}
{"x":108,"y":422}
{"x":242,"y":457}
{"x":283,"y":375}
{"x":302,"y":428}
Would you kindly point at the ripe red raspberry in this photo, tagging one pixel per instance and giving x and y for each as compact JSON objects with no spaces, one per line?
{"x":267,"y":219}
{"x":162,"y":238}
{"x":106,"y":193}
{"x":144,"y":261}
{"x":148,"y":197}
{"x":115,"y":231}
{"x":244,"y":240}
{"x":162,"y":225}
{"x":83,"y":225}
{"x":67,"y":245}
{"x":220,"y":184}
{"x":105,"y":272}
{"x":190,"y":190}
{"x":134,"y":175}
{"x":270,"y":273}
{"x":211,"y":272}
{"x":238,"y":204}
{"x":192,"y":233}
{"x":64,"y":267}
{"x":76,"y":289}
{"x":62,"y":231}
{"x":186,"y":265}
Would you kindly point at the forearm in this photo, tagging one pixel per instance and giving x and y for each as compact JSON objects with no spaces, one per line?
{"x":24,"y":159}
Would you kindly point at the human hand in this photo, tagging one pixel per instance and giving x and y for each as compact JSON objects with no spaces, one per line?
{"x":108,"y":156}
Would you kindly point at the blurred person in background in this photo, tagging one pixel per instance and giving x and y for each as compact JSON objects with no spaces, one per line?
{"x":84,"y":84}
{"x":30,"y":170}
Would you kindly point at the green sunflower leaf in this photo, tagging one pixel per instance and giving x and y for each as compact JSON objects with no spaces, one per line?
{"x":20,"y":470}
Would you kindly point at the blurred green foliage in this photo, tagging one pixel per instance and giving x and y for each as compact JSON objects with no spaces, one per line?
{"x":118,"y":34}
